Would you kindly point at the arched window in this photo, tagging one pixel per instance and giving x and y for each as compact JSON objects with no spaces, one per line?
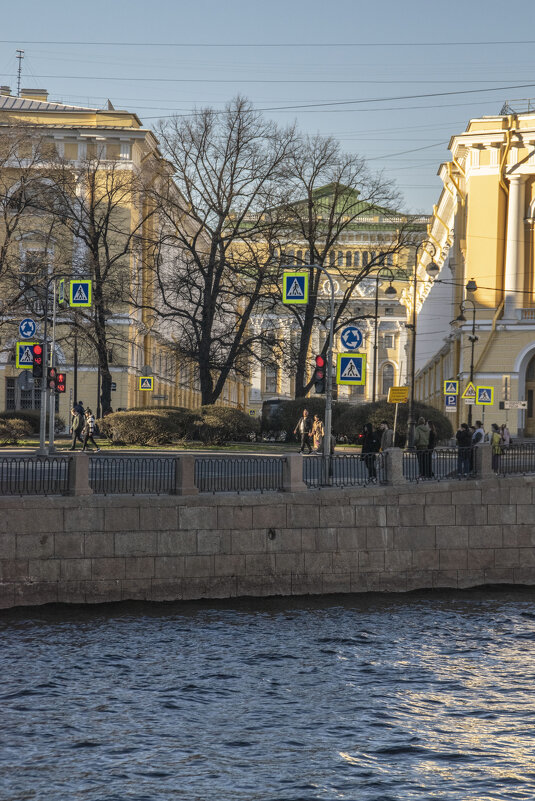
{"x":356,"y":258}
{"x":364,"y":258}
{"x":348,"y":258}
{"x":331,"y":258}
{"x":388,"y":378}
{"x":340,"y":259}
{"x":299,"y":256}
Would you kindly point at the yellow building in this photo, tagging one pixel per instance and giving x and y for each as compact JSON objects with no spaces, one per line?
{"x":483,"y":234}
{"x":122,"y":150}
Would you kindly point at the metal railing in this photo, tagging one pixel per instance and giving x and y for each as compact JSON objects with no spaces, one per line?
{"x":345,"y":471}
{"x":438,"y":464}
{"x":34,"y":475}
{"x":133,"y":475}
{"x":515,"y":459}
{"x":239,"y":474}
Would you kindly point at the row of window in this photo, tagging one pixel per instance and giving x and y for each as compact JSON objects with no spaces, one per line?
{"x":387,"y":380}
{"x":351,"y":258}
{"x":49,"y":149}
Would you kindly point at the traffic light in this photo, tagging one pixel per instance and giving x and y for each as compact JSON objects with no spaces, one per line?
{"x":61,"y":380}
{"x":51,"y":378}
{"x":37,"y":369}
{"x":319,"y":376}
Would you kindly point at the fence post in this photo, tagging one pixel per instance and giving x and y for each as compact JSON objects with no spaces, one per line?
{"x":185,"y":476}
{"x":292,"y":474}
{"x":394,"y":466}
{"x":79,"y":474}
{"x":483,"y":460}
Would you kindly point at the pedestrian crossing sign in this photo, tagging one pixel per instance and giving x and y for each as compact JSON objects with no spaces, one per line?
{"x":469,"y":393}
{"x":146,"y":382}
{"x":295,"y":288}
{"x":80,"y":293}
{"x":24,"y":355}
{"x":351,"y":369}
{"x":485,"y":396}
{"x":451,"y":387}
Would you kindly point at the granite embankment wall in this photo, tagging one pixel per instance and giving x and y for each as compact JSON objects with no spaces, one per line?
{"x":389,"y":539}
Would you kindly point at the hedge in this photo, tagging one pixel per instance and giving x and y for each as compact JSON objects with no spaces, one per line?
{"x":33,"y":418}
{"x":348,"y":418}
{"x":13,"y":430}
{"x":167,"y":425}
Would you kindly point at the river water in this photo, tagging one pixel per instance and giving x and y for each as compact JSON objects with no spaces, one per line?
{"x":427,"y":696}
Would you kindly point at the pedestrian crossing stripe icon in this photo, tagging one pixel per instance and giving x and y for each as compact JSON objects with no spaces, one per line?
{"x":24,"y":355}
{"x":80,"y":294}
{"x":146,"y":382}
{"x":451,"y":387}
{"x":351,"y":369}
{"x":470,"y":391}
{"x":485,"y":396}
{"x":295,"y":288}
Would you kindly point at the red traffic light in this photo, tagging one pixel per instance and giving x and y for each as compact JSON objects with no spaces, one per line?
{"x":37,"y":350}
{"x":320,"y":361}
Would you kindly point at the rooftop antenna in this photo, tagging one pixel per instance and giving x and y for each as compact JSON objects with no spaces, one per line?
{"x":20,"y":56}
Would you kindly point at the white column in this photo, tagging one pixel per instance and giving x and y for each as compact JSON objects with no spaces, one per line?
{"x":514,"y":253}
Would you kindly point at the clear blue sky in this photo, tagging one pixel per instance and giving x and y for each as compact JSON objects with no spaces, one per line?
{"x":349,"y":51}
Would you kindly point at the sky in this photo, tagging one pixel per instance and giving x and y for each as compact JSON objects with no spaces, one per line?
{"x":392,"y":81}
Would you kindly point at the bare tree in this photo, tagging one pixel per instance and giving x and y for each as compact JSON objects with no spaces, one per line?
{"x":331,"y":192}
{"x":214,"y":265}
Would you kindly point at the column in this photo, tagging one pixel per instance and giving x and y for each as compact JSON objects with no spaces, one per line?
{"x":514,"y":253}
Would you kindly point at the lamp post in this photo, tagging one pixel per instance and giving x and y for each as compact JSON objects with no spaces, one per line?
{"x":432,"y":270}
{"x":472,"y":338}
{"x":390,"y":291}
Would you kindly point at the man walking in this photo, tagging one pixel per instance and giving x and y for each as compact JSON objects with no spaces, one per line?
{"x":77,"y":422}
{"x":304,"y":428}
{"x":387,"y":436}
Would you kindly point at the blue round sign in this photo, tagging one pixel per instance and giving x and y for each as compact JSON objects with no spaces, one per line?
{"x":351,"y":337}
{"x":27,"y":328}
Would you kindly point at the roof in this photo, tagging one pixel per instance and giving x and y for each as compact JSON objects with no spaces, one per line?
{"x":11,"y":103}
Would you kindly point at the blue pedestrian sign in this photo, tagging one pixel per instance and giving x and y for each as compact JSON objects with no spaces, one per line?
{"x":351,"y":338}
{"x":295,"y":288}
{"x":451,"y":387}
{"x":27,"y":328}
{"x":351,"y":369}
{"x":485,"y":396}
{"x":80,"y":293}
{"x":146,"y":382}
{"x":24,"y":355}
{"x":451,"y":403}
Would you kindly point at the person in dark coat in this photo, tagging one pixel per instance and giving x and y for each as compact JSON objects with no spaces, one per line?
{"x":89,"y":429}
{"x":464,"y":449}
{"x":77,"y":424}
{"x":370,"y":446}
{"x":304,"y":429}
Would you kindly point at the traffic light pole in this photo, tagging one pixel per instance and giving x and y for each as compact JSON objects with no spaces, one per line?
{"x":51,"y":393}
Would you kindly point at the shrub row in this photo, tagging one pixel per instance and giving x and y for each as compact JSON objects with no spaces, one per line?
{"x":348,"y":419}
{"x":33,"y":418}
{"x":213,"y":425}
{"x":13,"y":430}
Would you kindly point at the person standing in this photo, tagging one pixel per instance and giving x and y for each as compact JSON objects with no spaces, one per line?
{"x":464,"y":448}
{"x":370,"y":446}
{"x":318,"y":432}
{"x":496,"y":445}
{"x":89,"y":429}
{"x":506,"y":436}
{"x":77,"y":423}
{"x":304,"y":429}
{"x":421,"y":443}
{"x":478,"y":437}
{"x":387,"y":436}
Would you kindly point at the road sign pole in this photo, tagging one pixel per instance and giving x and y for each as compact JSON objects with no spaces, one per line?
{"x":42,"y":426}
{"x":52,"y":395}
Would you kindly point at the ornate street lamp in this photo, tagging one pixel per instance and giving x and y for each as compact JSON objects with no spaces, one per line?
{"x":470,"y":287}
{"x":390,"y":291}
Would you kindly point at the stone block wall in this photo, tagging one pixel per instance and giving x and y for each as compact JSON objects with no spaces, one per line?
{"x":95,"y":549}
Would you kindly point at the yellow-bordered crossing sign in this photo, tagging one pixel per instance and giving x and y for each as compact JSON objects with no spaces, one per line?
{"x":295,"y":288}
{"x":146,"y":382}
{"x":351,"y":369}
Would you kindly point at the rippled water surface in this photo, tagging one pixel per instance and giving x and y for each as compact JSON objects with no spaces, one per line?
{"x":398,"y":697}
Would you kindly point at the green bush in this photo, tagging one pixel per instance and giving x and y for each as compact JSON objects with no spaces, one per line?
{"x":165,"y":425}
{"x":350,"y":423}
{"x":33,"y":418}
{"x":220,"y":424}
{"x":13,"y":430}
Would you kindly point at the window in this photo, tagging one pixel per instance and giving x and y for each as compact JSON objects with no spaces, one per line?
{"x":299,"y":256}
{"x":340,"y":260}
{"x":331,"y":258}
{"x":18,"y":399}
{"x":389,"y":311}
{"x":34,"y":270}
{"x":390,"y":259}
{"x":388,"y":341}
{"x":365,"y":258}
{"x":113,"y":151}
{"x":356,"y":258}
{"x":348,"y":258}
{"x":70,"y":151}
{"x":271,"y":380}
{"x":388,"y":378}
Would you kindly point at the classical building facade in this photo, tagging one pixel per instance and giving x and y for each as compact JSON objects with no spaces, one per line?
{"x":483,"y":233}
{"x":378,"y":313}
{"x":141,"y":344}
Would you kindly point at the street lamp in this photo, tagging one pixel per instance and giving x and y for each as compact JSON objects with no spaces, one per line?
{"x":432,"y":270}
{"x":390,"y":291}
{"x":472,"y":338}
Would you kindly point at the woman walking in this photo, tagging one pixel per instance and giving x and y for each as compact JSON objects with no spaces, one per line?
{"x":89,"y":429}
{"x":318,"y":432}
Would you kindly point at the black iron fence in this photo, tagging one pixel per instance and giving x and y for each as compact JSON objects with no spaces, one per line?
{"x":515,"y":459}
{"x":344,"y":471}
{"x":438,"y":464}
{"x":134,"y":475}
{"x":239,"y":474}
{"x":34,"y":475}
